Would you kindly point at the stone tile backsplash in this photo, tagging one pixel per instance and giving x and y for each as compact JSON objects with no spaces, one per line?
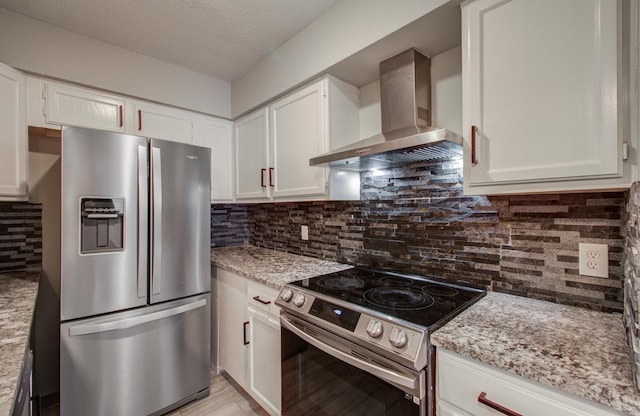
{"x":415,"y":219}
{"x":20,"y":236}
{"x":632,"y":279}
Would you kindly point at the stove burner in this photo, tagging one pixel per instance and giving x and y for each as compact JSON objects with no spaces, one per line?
{"x":359,"y":273}
{"x":398,"y":298}
{"x":440,"y":290}
{"x":341,"y":282}
{"x":395,"y":281}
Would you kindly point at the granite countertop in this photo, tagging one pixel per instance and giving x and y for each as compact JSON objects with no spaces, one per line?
{"x":270,"y":267}
{"x":579,"y":351}
{"x":17,"y":300}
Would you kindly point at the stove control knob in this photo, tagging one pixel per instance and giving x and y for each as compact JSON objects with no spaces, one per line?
{"x":299,"y":299}
{"x":286,"y":295}
{"x":398,"y":338}
{"x":374,"y":328}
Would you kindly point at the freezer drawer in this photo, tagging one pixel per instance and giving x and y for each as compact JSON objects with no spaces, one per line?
{"x":136,"y":362}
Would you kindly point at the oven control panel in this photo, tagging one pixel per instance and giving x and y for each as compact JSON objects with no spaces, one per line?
{"x":360,"y":327}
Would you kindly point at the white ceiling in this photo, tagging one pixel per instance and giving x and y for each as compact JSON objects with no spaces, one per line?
{"x":219,"y":38}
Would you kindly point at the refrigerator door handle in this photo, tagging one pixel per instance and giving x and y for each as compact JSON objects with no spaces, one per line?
{"x":135,"y":321}
{"x":156,"y":222}
{"x":143,"y":219}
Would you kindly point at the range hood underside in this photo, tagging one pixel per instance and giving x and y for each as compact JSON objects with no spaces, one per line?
{"x":377,"y":152}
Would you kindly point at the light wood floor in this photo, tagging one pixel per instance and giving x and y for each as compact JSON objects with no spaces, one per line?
{"x":225,"y":399}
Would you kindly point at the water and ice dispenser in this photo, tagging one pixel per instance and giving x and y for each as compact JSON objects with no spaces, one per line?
{"x":102,"y":225}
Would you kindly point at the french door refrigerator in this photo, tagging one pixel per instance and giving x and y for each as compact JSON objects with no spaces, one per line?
{"x":134,"y":273}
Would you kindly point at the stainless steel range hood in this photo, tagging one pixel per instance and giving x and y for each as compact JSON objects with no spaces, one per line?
{"x":407,"y":135}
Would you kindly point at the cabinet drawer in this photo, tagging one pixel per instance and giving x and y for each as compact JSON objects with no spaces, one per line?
{"x":460,"y":381}
{"x":263,"y":298}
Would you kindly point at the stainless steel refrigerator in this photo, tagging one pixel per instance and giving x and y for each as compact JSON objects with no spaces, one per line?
{"x":131,"y":266}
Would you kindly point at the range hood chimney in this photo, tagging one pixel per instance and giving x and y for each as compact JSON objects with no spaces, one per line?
{"x":407,"y":135}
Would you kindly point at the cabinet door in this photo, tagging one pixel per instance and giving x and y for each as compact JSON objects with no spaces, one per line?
{"x":461,"y":380}
{"x":233,"y":325}
{"x":160,"y":122}
{"x":252,"y":163}
{"x":264,"y":362}
{"x":73,"y":106}
{"x":299,"y":132}
{"x":217,"y":134}
{"x":13,"y":148}
{"x":542,"y":100}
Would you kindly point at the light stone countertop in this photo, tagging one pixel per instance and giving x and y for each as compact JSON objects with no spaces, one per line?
{"x":18,"y":292}
{"x":270,"y":267}
{"x":576,"y":350}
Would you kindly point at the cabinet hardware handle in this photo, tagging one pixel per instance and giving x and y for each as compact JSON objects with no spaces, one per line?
{"x":264,"y":302}
{"x":244,"y":332}
{"x":474,"y":161}
{"x":271,"y":177}
{"x":482,"y":398}
{"x":139,"y":120}
{"x":262,"y":172}
{"x":121,"y":120}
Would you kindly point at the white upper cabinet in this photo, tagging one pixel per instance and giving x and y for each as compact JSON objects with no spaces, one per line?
{"x":217,"y":134}
{"x":74,"y":106}
{"x":162,"y":122}
{"x":251,"y":156}
{"x":541,"y":96}
{"x":13,"y":145}
{"x":274,"y":144}
{"x":299,"y":132}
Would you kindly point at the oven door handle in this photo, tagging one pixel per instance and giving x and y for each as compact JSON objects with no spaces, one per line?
{"x":380,"y":372}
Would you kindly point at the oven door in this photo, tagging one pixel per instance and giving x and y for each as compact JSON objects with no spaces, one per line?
{"x":324,"y":374}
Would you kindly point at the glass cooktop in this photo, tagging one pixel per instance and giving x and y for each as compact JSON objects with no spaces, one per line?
{"x":415,"y":299}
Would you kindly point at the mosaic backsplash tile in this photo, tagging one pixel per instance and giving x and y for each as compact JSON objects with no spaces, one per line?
{"x":20,"y":236}
{"x":415,"y":219}
{"x":632,"y":279}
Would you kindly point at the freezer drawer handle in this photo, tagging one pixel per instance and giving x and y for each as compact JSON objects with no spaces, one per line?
{"x":482,"y":398}
{"x":135,"y":321}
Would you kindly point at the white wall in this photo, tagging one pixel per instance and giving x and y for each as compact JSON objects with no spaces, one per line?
{"x":446,"y":96}
{"x":348,"y":27}
{"x":42,"y":48}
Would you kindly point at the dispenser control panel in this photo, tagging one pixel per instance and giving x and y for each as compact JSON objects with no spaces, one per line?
{"x":101,"y":225}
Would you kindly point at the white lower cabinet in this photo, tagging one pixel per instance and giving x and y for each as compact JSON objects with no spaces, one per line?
{"x":463,"y":383}
{"x":264,"y":347}
{"x":249,"y":337}
{"x":233,"y":322}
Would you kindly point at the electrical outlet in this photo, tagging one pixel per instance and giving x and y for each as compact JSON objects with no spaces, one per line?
{"x":593,"y":259}
{"x":304,"y":232}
